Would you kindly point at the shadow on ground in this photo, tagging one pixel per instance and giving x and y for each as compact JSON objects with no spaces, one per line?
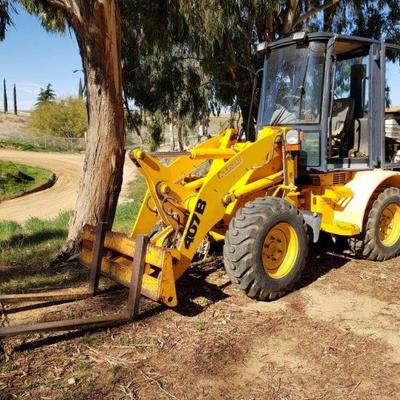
{"x":206,"y":282}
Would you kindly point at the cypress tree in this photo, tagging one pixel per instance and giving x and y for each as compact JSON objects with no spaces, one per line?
{"x":5,"y":97}
{"x":80,"y":92}
{"x":15,"y":100}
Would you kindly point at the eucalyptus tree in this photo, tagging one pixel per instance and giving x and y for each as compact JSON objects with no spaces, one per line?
{"x":97,"y":26}
{"x":161,"y":74}
{"x":225,"y":34}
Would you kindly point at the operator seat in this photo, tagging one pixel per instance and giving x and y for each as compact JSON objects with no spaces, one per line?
{"x":342,"y":126}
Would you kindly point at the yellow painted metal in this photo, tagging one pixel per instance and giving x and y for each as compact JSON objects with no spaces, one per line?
{"x":280,"y":250}
{"x":177,"y":171}
{"x":118,"y":266}
{"x":389,"y":225}
{"x":210,"y":207}
{"x":257,"y":185}
{"x":216,"y":236}
{"x":210,"y":154}
{"x":363,"y":184}
{"x":196,"y":184}
{"x":192,"y":207}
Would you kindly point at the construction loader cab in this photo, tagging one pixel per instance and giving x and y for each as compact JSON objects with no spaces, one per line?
{"x":335,"y":90}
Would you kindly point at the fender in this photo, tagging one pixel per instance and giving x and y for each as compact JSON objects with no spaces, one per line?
{"x":363,"y":185}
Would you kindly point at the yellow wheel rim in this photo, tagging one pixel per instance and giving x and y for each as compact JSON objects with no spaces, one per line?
{"x":389,"y":225}
{"x":280,"y":250}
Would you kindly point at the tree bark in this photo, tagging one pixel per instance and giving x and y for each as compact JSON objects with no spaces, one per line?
{"x":180,"y":137}
{"x":290,"y":17}
{"x":98,"y":32}
{"x":171,"y":132}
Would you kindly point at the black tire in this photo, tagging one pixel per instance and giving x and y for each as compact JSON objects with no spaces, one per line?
{"x":369,"y":245}
{"x":244,"y":243}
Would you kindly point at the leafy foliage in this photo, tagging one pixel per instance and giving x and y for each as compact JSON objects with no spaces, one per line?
{"x":65,"y":118}
{"x":160,"y":75}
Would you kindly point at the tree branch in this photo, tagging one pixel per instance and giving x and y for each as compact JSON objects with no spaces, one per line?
{"x":133,"y":122}
{"x":313,"y":11}
{"x":68,"y":6}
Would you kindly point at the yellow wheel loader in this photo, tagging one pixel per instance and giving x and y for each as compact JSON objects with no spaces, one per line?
{"x":323,"y":160}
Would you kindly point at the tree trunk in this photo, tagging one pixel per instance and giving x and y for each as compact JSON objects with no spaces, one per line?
{"x":171,"y":133}
{"x":180,"y":137}
{"x":98,"y":31}
{"x":290,"y":17}
{"x":171,"y":137}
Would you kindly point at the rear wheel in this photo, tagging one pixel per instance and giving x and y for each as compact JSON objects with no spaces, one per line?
{"x":266,"y":247}
{"x":381,"y":239}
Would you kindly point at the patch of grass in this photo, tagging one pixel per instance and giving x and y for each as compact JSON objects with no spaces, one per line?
{"x":26,"y":250}
{"x":17,"y":179}
{"x":11,"y":144}
{"x":200,"y":325}
{"x":28,"y":384}
{"x":127,"y":212}
{"x":83,"y":364}
{"x":115,"y":374}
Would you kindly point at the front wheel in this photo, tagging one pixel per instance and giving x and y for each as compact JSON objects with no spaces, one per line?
{"x":266,"y":248}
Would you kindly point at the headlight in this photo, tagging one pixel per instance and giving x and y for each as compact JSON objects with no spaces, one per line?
{"x":292,"y":137}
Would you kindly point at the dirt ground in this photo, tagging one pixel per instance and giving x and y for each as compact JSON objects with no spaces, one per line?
{"x":336,"y":337}
{"x":62,"y":195}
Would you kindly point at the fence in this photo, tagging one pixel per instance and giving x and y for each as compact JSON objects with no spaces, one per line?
{"x":52,"y":143}
{"x":45,"y":142}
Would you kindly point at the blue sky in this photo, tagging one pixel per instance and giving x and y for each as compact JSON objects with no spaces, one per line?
{"x":31,"y":58}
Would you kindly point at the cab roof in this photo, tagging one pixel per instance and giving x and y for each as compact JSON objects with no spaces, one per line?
{"x":302,"y":37}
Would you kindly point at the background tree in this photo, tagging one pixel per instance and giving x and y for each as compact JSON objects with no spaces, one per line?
{"x":224,"y":35}
{"x":47,"y":95}
{"x":161,"y":75}
{"x":63,"y":118}
{"x":80,"y":90}
{"x":5,"y":99}
{"x":15,"y":100}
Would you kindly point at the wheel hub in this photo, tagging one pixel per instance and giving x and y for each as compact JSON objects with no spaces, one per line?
{"x":280,"y":250}
{"x":389,"y":225}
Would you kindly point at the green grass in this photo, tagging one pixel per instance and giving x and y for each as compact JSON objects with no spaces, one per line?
{"x":11,"y":144}
{"x":26,"y":250}
{"x":17,"y":179}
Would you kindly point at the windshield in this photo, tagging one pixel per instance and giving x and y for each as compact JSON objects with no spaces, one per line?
{"x":293,"y":83}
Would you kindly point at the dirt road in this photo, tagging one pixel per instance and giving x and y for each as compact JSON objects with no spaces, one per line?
{"x":62,"y":195}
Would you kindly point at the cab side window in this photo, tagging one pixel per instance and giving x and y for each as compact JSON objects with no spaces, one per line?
{"x":392,"y":106}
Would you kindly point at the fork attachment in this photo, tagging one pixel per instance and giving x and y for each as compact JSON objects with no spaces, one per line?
{"x":97,"y":253}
